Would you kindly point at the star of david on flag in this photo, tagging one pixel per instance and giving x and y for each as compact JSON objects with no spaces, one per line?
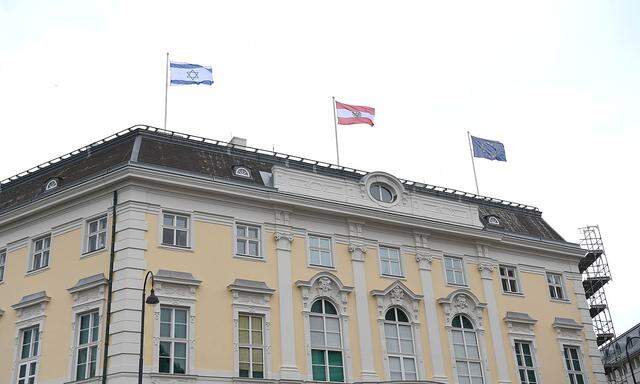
{"x":190,"y":74}
{"x":488,"y":149}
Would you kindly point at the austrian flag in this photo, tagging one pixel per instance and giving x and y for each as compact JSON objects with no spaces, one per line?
{"x":354,"y":114}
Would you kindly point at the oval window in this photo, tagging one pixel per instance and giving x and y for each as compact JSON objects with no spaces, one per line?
{"x":382,"y":192}
{"x":493,"y":220}
{"x":51,"y":184}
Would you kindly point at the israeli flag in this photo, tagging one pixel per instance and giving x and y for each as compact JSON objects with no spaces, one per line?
{"x":190,"y":74}
{"x":488,"y":149}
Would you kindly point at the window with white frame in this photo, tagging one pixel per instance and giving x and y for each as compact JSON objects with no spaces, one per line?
{"x":400,"y":347}
{"x":87,"y":345}
{"x":173,"y":340}
{"x":97,"y":234}
{"x":454,"y":270}
{"x":175,"y":230}
{"x":556,"y":286}
{"x":509,"y":279}
{"x":572,"y":363}
{"x":28,"y":355}
{"x":251,"y":346}
{"x":320,"y":251}
{"x":466,"y":351}
{"x":248,"y":240}
{"x":3,"y":263}
{"x":524,"y":362}
{"x":390,"y":261}
{"x":40,"y":253}
{"x":326,"y":342}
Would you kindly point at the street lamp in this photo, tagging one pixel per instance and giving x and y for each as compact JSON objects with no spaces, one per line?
{"x":626,"y":349}
{"x":152,"y":299}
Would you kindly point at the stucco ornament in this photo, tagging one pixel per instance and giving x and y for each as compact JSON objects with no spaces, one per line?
{"x":324,"y":284}
{"x":397,"y":294}
{"x":463,"y":301}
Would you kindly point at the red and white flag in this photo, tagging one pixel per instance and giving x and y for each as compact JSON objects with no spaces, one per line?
{"x":354,"y":114}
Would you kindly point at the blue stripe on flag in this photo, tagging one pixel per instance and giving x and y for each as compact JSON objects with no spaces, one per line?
{"x":188,"y":66}
{"x":188,"y":82}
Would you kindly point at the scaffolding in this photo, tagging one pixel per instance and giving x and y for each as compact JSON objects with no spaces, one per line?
{"x":595,"y":275}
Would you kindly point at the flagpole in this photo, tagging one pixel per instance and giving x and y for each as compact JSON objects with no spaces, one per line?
{"x":335,"y":128}
{"x":473,"y":163}
{"x":166,"y":90}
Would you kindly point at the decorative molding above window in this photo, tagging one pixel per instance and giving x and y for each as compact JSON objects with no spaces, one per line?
{"x":324,"y":284}
{"x":567,"y":329}
{"x":51,"y":184}
{"x":88,"y":291}
{"x":31,"y":306}
{"x":240,"y":171}
{"x":519,"y":323}
{"x":250,"y":293}
{"x":397,"y":294}
{"x":463,"y":301}
{"x":383,"y":188}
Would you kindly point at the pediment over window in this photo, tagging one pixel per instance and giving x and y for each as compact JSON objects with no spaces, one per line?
{"x":31,"y":306}
{"x":567,"y":328}
{"x":176,"y":285}
{"x":397,"y":294}
{"x":88,"y":290}
{"x":463,"y":301}
{"x":250,"y":292}
{"x":520,"y":323}
{"x":324,"y":284}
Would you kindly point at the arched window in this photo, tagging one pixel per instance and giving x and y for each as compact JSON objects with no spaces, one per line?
{"x":326,"y":342}
{"x":400,"y":348}
{"x":51,"y":184}
{"x":466,"y":351}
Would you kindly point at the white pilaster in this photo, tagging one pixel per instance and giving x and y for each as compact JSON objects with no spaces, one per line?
{"x":486,"y":274}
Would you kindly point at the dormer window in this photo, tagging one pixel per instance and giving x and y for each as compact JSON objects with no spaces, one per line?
{"x":493,"y":220}
{"x":242,"y":172}
{"x":51,"y":184}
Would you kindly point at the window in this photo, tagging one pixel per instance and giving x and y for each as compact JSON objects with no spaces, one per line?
{"x":51,"y":184}
{"x":40,"y":253}
{"x":572,"y":362}
{"x":320,"y":251}
{"x":390,"y":261}
{"x":382,"y":192}
{"x":173,"y":340}
{"x":400,"y":349}
{"x":97,"y":234}
{"x":493,"y":220}
{"x":454,"y":270}
{"x":524,"y":361}
{"x":556,"y":289}
{"x":87,"y":349}
{"x":29,"y":351}
{"x":509,"y":279}
{"x":242,"y":172}
{"x":248,"y":240}
{"x":175,"y":230}
{"x":3,"y":263}
{"x":326,"y":342}
{"x":251,"y":346}
{"x":466,"y":351}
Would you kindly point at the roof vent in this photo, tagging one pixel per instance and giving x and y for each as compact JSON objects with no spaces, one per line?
{"x":240,"y":141}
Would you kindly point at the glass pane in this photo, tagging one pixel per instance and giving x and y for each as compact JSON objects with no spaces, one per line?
{"x":167,"y":236}
{"x":464,"y":380}
{"x":243,"y":336}
{"x":181,"y":316}
{"x":528,"y":361}
{"x":448,"y":262}
{"x":316,"y":323}
{"x":181,"y":222}
{"x":84,"y":336}
{"x":333,"y":325}
{"x":317,"y":307}
{"x":181,"y":238}
{"x":243,"y":322}
{"x":165,"y":314}
{"x":393,"y":346}
{"x":386,"y":269}
{"x":165,"y":330}
{"x":466,"y":323}
{"x":457,"y":337}
{"x":470,"y":338}
{"x":258,"y":371}
{"x":241,"y":231}
{"x":180,"y":331}
{"x":325,"y":243}
{"x":477,"y":380}
{"x":406,"y":346}
{"x":333,"y":339}
{"x":240,"y":247}
{"x":167,"y":221}
{"x":165,"y":349}
{"x":314,"y":257}
{"x":460,"y":352}
{"x":82,"y":356}
{"x":253,"y":248}
{"x":402,"y":317}
{"x":329,"y":308}
{"x":164,"y":365}
{"x":390,"y":315}
{"x":319,"y":373}
{"x":450,"y":276}
{"x":257,"y":355}
{"x":243,"y":354}
{"x":180,"y":350}
{"x":459,"y":277}
{"x":103,"y":223}
{"x":405,"y":331}
{"x":456,"y":322}
{"x":93,"y":227}
{"x":253,"y":232}
{"x":314,"y":242}
{"x":410,"y":376}
{"x":23,"y":370}
{"x":256,"y":323}
{"x":93,"y":243}
{"x":475,"y":369}
{"x":336,"y":374}
{"x":473,"y":352}
{"x":396,"y":376}
{"x":532,"y":376}
{"x":579,"y":379}
{"x":244,"y":370}
{"x":256,"y":337}
{"x":335,"y":358}
{"x":394,"y":364}
{"x":317,"y":356}
{"x":317,"y":339}
{"x":179,"y":365}
{"x":409,"y":365}
{"x":325,"y":258}
{"x":395,"y":269}
{"x":390,"y":330}
{"x":80,"y":372}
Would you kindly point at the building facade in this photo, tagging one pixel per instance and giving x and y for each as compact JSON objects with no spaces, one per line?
{"x":274,"y":268}
{"x":619,"y":368}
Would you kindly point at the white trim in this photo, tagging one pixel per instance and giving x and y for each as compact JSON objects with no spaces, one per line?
{"x":402,"y":274}
{"x":563,"y":279}
{"x":261,"y":240}
{"x":332,"y":249}
{"x":84,"y":244}
{"x":29,"y":258}
{"x":190,"y":231}
{"x":516,"y":271}
{"x":464,"y":270}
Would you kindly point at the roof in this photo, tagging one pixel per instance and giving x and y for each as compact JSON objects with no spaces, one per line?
{"x":615,"y":349}
{"x":216,"y":159}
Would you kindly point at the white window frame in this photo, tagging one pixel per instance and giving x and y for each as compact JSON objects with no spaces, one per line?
{"x":174,"y":228}
{"x":381,"y":261}
{"x":562,"y":286}
{"x":93,"y":314}
{"x":173,"y":340}
{"x":238,"y":172}
{"x":3,"y":264}
{"x":31,"y":359}
{"x":33,"y":253}
{"x":462,"y":269}
{"x":400,"y":354}
{"x":311,"y":248}
{"x":251,"y":346}
{"x":523,"y":366}
{"x":51,"y":184}
{"x":467,"y":360}
{"x":326,"y":348}
{"x":515,"y":279}
{"x":246,"y":240}
{"x":88,"y":234}
{"x":583,"y":372}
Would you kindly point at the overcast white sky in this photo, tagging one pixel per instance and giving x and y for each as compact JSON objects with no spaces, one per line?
{"x":556,"y":81}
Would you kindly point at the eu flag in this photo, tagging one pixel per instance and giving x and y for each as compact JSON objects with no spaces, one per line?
{"x":488,"y":149}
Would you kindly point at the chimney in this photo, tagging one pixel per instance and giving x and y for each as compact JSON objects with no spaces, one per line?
{"x":239,"y":141}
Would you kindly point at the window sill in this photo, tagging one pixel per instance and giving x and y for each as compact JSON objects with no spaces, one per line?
{"x":37,"y":271}
{"x":95,"y":379}
{"x":454,"y":285}
{"x":560,"y":301}
{"x":513,"y":294}
{"x":249,"y":258}
{"x":176,"y":248}
{"x":321,"y":267}
{"x":92,"y":253}
{"x":172,"y":377}
{"x":394,"y":277}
